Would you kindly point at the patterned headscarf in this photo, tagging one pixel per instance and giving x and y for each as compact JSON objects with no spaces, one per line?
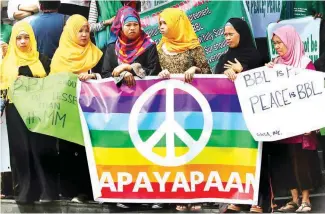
{"x":128,"y":50}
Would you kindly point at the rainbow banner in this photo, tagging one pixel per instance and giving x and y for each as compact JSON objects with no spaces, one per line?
{"x":168,"y":141}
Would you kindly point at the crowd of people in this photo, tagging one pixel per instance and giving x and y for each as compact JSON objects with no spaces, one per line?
{"x":52,"y":42}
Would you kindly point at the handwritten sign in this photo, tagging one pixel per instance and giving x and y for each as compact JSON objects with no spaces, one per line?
{"x":307,"y":28}
{"x":281,"y":102}
{"x":49,"y":105}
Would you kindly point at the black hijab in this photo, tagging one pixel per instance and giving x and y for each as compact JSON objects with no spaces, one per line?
{"x":246,"y":52}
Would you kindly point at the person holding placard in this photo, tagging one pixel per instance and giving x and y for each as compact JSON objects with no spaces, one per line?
{"x":130,"y":53}
{"x":180,"y":52}
{"x":242,"y":55}
{"x":78,"y":55}
{"x":33,"y":155}
{"x":295,"y":164}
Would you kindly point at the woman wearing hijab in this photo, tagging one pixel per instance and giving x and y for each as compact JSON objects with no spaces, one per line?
{"x":78,"y":55}
{"x":32,"y":154}
{"x":295,"y":164}
{"x":180,"y":52}
{"x":131,"y":52}
{"x":242,"y":54}
{"x":179,"y":49}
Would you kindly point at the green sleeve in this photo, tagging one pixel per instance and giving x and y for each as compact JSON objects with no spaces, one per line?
{"x":5,"y":32}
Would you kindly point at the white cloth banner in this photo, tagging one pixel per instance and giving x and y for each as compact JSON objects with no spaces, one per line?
{"x":308,"y":29}
{"x":5,"y":157}
{"x":262,"y":13}
{"x":281,"y":102}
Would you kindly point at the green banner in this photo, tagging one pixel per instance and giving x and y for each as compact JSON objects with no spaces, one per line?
{"x":208,"y":19}
{"x":49,"y":105}
{"x":322,"y":131}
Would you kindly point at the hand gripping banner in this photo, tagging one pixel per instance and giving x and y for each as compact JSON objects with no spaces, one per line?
{"x":168,"y":141}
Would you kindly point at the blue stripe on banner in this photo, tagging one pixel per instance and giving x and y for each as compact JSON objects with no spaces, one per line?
{"x":152,"y":121}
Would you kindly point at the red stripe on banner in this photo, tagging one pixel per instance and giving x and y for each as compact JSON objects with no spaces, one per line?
{"x":180,"y":194}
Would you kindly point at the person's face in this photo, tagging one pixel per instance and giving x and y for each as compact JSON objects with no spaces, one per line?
{"x":279,"y":46}
{"x":163,"y":26}
{"x":131,"y":30}
{"x":23,"y":41}
{"x":232,"y":37}
{"x":83,"y":35}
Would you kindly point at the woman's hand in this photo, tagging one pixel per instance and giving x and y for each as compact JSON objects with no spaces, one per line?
{"x":129,"y":79}
{"x":237,"y":67}
{"x":4,"y":47}
{"x":231,"y":74}
{"x":164,"y":74}
{"x":119,"y":69}
{"x":318,"y":15}
{"x":85,"y":76}
{"x":109,"y":21}
{"x":189,"y":74}
{"x":269,"y":65}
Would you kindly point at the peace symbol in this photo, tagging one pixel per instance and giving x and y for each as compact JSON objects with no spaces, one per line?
{"x":170,"y":127}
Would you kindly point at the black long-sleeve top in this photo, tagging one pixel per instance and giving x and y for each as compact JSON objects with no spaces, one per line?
{"x":25,"y":70}
{"x":149,"y":61}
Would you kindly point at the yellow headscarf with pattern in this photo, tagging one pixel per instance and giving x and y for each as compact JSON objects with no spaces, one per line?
{"x":180,"y":36}
{"x":71,"y":57}
{"x":16,"y":58}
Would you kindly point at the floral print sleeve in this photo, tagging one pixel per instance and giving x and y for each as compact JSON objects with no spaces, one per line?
{"x":199,"y":60}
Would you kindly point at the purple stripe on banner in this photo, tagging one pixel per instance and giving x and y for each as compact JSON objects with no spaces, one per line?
{"x":109,"y":89}
{"x":182,"y":102}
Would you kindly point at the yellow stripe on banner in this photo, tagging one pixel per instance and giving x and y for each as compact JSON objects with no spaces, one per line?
{"x":210,"y":155}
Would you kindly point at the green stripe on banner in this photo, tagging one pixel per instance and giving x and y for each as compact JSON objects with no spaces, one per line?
{"x":219,"y":138}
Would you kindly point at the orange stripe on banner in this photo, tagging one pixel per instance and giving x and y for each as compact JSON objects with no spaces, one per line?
{"x":223,"y":170}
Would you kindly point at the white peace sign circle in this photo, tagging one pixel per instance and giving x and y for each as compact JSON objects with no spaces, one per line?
{"x":170,"y":126}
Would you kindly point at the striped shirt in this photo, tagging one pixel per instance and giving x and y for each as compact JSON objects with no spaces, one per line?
{"x":93,"y":17}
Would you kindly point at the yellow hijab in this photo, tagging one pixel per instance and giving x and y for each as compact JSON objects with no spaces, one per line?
{"x":181,"y":35}
{"x":15,"y":58}
{"x":71,"y":57}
